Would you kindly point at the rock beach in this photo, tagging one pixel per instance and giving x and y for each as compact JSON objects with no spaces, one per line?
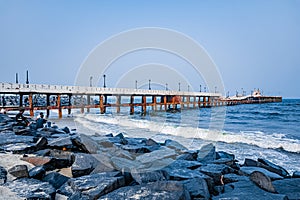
{"x":58,"y":163}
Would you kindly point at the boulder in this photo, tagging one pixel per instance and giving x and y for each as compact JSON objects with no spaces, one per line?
{"x":289,"y":187}
{"x":55,"y":179}
{"x":84,"y":164}
{"x":296,"y":174}
{"x":37,"y":172}
{"x":185,"y":164}
{"x":93,"y":186}
{"x":20,"y":148}
{"x":262,"y":181}
{"x":141,"y":176}
{"x":137,"y":149}
{"x":273,"y":168}
{"x":183,"y":174}
{"x":174,"y":145}
{"x":37,"y":161}
{"x":223,"y":154}
{"x":216,"y":172}
{"x":188,"y":155}
{"x":247,"y":190}
{"x":9,"y":137}
{"x":250,"y":162}
{"x":85,"y":144}
{"x":41,"y":143}
{"x":123,"y":164}
{"x":104,"y":163}
{"x":32,"y":189}
{"x":207,"y":153}
{"x":248,"y":170}
{"x":165,"y":190}
{"x":61,"y":143}
{"x":162,"y":153}
{"x":3,"y":175}
{"x":19,"y":171}
{"x":197,"y":188}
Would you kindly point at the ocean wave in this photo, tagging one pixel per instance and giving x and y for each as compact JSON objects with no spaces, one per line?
{"x":119,"y":123}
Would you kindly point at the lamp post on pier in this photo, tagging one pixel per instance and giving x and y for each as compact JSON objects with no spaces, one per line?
{"x":17,"y":78}
{"x":200,"y":89}
{"x":135,"y":84}
{"x":104,"y":85}
{"x":166,"y":86}
{"x":27,"y":78}
{"x":149,"y":84}
{"x":179,"y":86}
{"x":188,"y":88}
{"x":91,"y":79}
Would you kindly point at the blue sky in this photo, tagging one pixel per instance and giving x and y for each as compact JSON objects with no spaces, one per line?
{"x":253,"y":43}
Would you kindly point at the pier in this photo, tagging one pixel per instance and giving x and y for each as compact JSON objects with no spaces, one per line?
{"x":34,"y":97}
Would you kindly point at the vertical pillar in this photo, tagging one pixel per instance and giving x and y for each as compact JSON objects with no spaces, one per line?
{"x":154,"y":103}
{"x":194,"y":102}
{"x":21,"y":100}
{"x":102,"y":106}
{"x":174,"y":102}
{"x":118,"y":102}
{"x":165,"y":102}
{"x":70,"y":104}
{"x":144,"y":105}
{"x":59,"y":106}
{"x":88,"y":102}
{"x":209,"y":101}
{"x":47,"y":105}
{"x":199,"y":102}
{"x":31,"y":105}
{"x":131,"y":105}
{"x":204,"y":101}
{"x":188,"y":101}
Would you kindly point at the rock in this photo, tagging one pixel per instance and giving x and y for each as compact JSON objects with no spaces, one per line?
{"x":61,"y":143}
{"x":93,"y":186}
{"x":188,"y":155}
{"x":3,"y":175}
{"x":288,"y":187}
{"x":32,"y":189}
{"x":55,"y":179}
{"x":223,"y":154}
{"x":41,"y":143}
{"x":37,"y":161}
{"x":230,"y":178}
{"x":20,"y":148}
{"x":262,"y":181}
{"x":296,"y":174}
{"x":60,"y":159}
{"x":123,"y":164}
{"x":207,"y":153}
{"x":136,"y":149}
{"x":183,"y":174}
{"x":216,"y":172}
{"x":7,"y":194}
{"x":197,"y":188}
{"x":246,"y":190}
{"x":273,"y":168}
{"x":84,"y":164}
{"x":104,"y":163}
{"x":166,"y":190}
{"x":37,"y":172}
{"x":19,"y":171}
{"x":148,"y":176}
{"x":185,"y":164}
{"x":66,"y":129}
{"x":86,"y":144}
{"x":162,"y":153}
{"x":174,"y":145}
{"x":248,"y":170}
{"x":250,"y":162}
{"x":9,"y":137}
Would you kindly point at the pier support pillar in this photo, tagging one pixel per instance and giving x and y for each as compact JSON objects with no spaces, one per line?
{"x":188,"y":101}
{"x":194,"y":102}
{"x":59,"y":106}
{"x":118,"y":102}
{"x":131,"y":105}
{"x":154,"y":103}
{"x":21,"y":100}
{"x":165,"y":102}
{"x":102,"y":106}
{"x":47,"y":105}
{"x":31,"y":105}
{"x":144,"y":105}
{"x":204,"y":101}
{"x":70,"y":104}
{"x":88,"y":103}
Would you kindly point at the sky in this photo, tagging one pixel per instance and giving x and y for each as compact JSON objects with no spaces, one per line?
{"x":254,"y":44}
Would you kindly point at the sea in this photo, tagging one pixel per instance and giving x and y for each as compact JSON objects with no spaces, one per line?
{"x":270,"y":131}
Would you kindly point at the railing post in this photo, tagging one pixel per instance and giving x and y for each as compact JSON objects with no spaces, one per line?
{"x":59,"y":106}
{"x":31,"y":105}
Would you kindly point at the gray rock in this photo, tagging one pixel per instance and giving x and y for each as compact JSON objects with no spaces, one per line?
{"x":32,"y":189}
{"x":141,"y":176}
{"x":60,"y":161}
{"x":262,"y":181}
{"x":248,"y":170}
{"x":296,"y":174}
{"x":85,"y":144}
{"x":93,"y":186}
{"x":185,"y":164}
{"x":19,"y":171}
{"x":123,"y":164}
{"x":37,"y":172}
{"x":188,"y":155}
{"x":61,"y":142}
{"x":197,"y":188}
{"x":247,"y":190}
{"x":162,"y":153}
{"x":20,"y":148}
{"x":207,"y":153}
{"x":163,"y":190}
{"x":41,"y":143}
{"x":273,"y":168}
{"x":183,"y":174}
{"x":84,"y":164}
{"x":230,"y":178}
{"x":250,"y":162}
{"x":3,"y":175}
{"x":216,"y":171}
{"x":223,"y":154}
{"x":137,"y":149}
{"x":104,"y":163}
{"x":9,"y":137}
{"x":174,"y":145}
{"x":55,"y":179}
{"x":289,"y":187}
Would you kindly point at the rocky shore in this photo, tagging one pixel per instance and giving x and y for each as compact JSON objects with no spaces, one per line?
{"x":58,"y":163}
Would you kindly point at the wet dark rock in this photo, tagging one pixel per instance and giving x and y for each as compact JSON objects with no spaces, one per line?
{"x":141,"y":149}
{"x":230,"y":178}
{"x":188,"y":155}
{"x":197,"y":188}
{"x":37,"y":161}
{"x":185,"y":164}
{"x":93,"y":186}
{"x":37,"y":172}
{"x":141,"y":176}
{"x":32,"y":189}
{"x":273,"y":168}
{"x":3,"y":175}
{"x":223,"y":154}
{"x":8,"y":137}
{"x":109,"y":135}
{"x":19,"y":130}
{"x":61,"y":142}
{"x":262,"y":181}
{"x":166,"y":190}
{"x":207,"y":153}
{"x":19,"y":171}
{"x":289,"y":187}
{"x":85,"y":144}
{"x":58,"y":163}
{"x":153,"y":156}
{"x":174,"y":145}
{"x":247,"y":190}
{"x":248,"y":170}
{"x":296,"y":174}
{"x":66,"y":129}
{"x":84,"y":164}
{"x":41,"y":143}
{"x":20,"y":148}
{"x":55,"y":179}
{"x":250,"y":162}
{"x":216,"y":171}
{"x":183,"y":174}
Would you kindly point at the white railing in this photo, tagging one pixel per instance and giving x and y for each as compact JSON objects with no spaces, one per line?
{"x":42,"y":88}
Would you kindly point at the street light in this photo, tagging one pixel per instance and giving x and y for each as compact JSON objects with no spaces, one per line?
{"x":27,"y":79}
{"x":188,"y":88}
{"x":204,"y":89}
{"x":167,"y":86}
{"x":91,"y":78}
{"x":17,"y":79}
{"x":104,"y":81}
{"x":135,"y":84}
{"x":149,"y":84}
{"x":200,"y":89}
{"x":179,"y":86}
{"x":215,"y":89}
